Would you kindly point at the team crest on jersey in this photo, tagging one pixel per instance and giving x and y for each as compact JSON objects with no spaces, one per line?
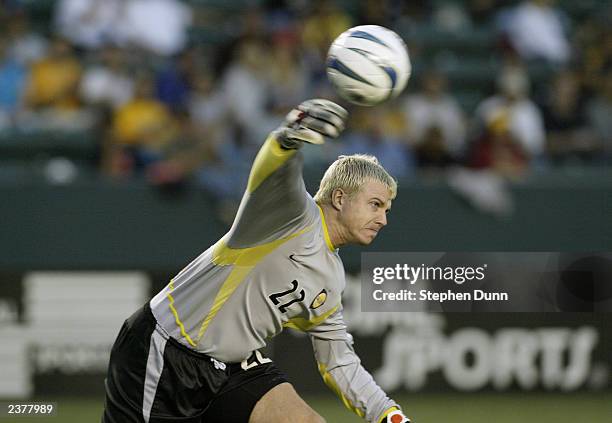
{"x":319,"y":300}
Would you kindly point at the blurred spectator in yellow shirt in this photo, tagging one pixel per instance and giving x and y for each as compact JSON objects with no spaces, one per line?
{"x":319,"y":29}
{"x":54,"y":79}
{"x":142,"y":130}
{"x":325,"y":23}
{"x":144,"y":120}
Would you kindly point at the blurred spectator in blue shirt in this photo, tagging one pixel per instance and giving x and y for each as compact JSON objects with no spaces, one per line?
{"x":372,"y":133}
{"x":13,"y":76}
{"x":173,"y":83}
{"x":246,"y":92}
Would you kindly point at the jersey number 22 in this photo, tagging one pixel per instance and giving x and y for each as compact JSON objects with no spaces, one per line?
{"x":276,"y":298}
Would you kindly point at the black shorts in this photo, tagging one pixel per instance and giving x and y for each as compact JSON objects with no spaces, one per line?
{"x":153,"y":379}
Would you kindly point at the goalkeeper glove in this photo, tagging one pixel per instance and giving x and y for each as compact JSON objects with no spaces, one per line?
{"x":310,"y":122}
{"x":395,"y":416}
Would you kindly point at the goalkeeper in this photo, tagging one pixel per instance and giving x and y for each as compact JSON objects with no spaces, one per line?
{"x":191,"y":354}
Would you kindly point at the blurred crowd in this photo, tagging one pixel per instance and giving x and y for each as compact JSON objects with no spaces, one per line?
{"x":186,"y":91}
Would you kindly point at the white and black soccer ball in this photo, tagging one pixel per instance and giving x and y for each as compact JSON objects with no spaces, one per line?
{"x":368,"y":64}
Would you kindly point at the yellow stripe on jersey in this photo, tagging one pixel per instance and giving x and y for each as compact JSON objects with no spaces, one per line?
{"x":325,"y":231}
{"x":268,"y":160}
{"x":243,"y":260}
{"x":305,"y":325}
{"x":176,"y":316}
{"x":232,"y":282}
{"x":329,"y":381}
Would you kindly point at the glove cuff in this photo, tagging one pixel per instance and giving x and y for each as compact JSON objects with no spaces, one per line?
{"x":285,"y":141}
{"x":394,"y":415}
{"x":383,"y":418}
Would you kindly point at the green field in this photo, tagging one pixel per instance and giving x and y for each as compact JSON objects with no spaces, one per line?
{"x":423,"y":408}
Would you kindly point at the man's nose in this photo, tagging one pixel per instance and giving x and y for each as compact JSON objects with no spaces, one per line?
{"x":382,"y":218}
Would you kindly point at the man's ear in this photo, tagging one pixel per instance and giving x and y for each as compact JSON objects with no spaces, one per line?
{"x":338,"y":199}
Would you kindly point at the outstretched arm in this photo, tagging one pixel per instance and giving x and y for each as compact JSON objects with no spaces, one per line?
{"x":342,"y":371}
{"x":276,"y":199}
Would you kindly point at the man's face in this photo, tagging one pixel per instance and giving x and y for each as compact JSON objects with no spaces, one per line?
{"x":364,"y":214}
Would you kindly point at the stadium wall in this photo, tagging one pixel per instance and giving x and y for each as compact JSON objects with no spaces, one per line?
{"x":103,"y":225}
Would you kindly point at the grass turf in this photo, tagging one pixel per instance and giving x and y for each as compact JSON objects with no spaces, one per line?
{"x":422,"y":408}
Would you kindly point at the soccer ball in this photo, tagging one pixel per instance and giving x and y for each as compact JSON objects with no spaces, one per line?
{"x":368,"y":64}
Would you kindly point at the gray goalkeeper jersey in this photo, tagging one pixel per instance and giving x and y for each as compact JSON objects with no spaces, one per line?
{"x":275,"y":268}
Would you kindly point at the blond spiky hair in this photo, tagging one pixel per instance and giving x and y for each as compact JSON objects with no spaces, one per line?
{"x":349,"y":173}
